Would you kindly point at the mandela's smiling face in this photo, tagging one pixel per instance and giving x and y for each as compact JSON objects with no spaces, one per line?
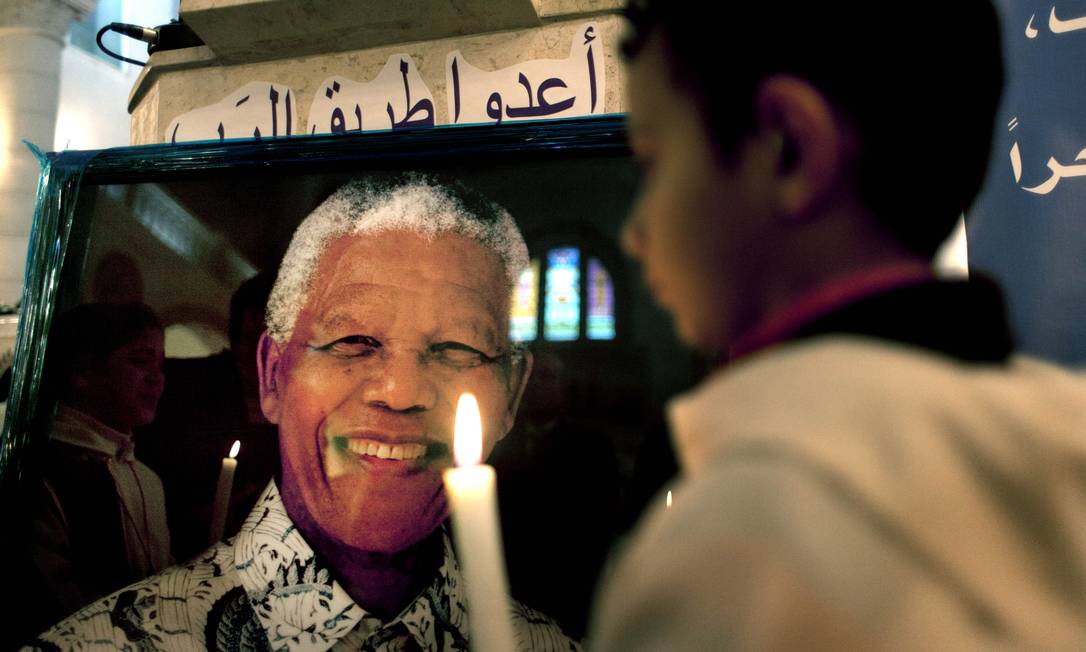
{"x":394,"y":328}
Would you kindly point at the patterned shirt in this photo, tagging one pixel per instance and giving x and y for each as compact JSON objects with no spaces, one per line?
{"x":266,"y":589}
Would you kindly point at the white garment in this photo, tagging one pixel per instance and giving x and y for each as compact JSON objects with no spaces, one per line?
{"x":851,"y":493}
{"x":142,"y":502}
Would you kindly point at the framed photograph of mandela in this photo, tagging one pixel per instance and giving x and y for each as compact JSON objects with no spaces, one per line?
{"x":196,"y":234}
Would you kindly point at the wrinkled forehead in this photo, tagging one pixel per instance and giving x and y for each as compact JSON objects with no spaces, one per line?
{"x":406,"y":263}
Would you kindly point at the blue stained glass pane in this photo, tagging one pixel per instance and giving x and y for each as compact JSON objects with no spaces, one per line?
{"x":522,"y":322}
{"x":562,"y":295}
{"x":601,"y":302}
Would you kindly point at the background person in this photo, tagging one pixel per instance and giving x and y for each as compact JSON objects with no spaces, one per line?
{"x":99,"y":519}
{"x":207,"y":404}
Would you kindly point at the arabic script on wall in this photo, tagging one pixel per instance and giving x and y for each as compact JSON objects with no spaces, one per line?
{"x":398,"y":98}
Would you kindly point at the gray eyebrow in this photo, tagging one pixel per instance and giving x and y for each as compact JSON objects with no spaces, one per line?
{"x":336,"y":318}
{"x":478,"y":328}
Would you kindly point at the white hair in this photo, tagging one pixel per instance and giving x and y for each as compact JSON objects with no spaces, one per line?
{"x":414,"y":203}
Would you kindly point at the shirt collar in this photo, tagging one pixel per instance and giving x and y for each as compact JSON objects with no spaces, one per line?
{"x":301,"y":606}
{"x":823,"y":299}
{"x":80,"y":429}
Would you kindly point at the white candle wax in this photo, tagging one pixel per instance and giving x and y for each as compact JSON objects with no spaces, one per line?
{"x":223,"y":489}
{"x":472,"y":500}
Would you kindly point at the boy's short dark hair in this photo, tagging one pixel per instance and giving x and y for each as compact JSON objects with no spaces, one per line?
{"x":83,"y":337}
{"x":919,"y":83}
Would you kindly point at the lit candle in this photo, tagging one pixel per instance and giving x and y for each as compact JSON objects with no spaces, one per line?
{"x":471,"y":489}
{"x":669,"y":499}
{"x":221,"y":505}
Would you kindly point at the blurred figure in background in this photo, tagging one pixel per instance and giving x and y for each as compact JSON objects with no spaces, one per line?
{"x":871,"y":467}
{"x":209,"y":403}
{"x":99,"y":519}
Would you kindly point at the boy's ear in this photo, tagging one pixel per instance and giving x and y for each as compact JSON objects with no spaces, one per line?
{"x":810,"y":144}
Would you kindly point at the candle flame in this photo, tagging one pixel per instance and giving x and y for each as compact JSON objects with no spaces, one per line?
{"x":669,"y":500}
{"x":235,"y":448}
{"x":468,"y":433}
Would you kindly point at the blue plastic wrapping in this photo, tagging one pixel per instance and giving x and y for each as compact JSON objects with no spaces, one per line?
{"x":58,"y":187}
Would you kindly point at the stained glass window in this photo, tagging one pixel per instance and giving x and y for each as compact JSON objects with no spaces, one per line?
{"x":555,"y":282}
{"x":562,"y":295}
{"x":522,"y":323}
{"x":601,"y":302}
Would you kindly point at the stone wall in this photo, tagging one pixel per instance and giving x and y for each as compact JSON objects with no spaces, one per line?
{"x":179,"y":81}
